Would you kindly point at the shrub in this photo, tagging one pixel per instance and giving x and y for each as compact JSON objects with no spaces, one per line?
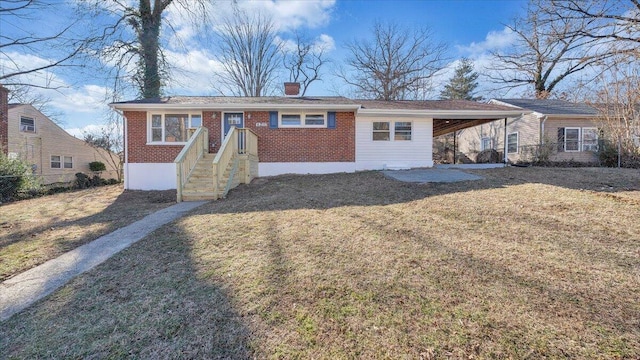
{"x":82,"y":181}
{"x":15,"y":177}
{"x":97,"y":166}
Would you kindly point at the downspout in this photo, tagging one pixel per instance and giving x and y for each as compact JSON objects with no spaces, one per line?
{"x":544,"y":120}
{"x":506,"y":147}
{"x":126,"y":149}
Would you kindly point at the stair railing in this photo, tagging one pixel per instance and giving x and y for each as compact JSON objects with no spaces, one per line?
{"x":227,"y":152}
{"x":186,"y":161}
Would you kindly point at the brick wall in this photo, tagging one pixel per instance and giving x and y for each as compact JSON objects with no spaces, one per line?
{"x":4,"y":120}
{"x":274,"y":145}
{"x":304,"y":144}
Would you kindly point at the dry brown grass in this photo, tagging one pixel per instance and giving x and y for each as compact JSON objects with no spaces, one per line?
{"x":36,"y":230}
{"x":528,"y":263}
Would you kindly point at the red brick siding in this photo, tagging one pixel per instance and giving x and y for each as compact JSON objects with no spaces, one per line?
{"x":4,"y":120}
{"x":274,"y":145}
{"x":304,"y":144}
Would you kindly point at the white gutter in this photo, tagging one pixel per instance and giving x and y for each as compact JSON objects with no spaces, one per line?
{"x":544,"y":120}
{"x":448,"y":114}
{"x":232,"y":106}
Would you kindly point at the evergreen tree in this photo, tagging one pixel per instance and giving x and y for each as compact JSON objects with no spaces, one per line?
{"x":462,"y":84}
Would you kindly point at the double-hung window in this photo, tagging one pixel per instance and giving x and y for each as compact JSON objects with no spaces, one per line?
{"x":486,"y":143}
{"x":305,"y":119}
{"x":381,"y":131}
{"x":402,"y":130}
{"x":572,"y":139}
{"x":171,"y":128}
{"x":512,"y":143}
{"x":589,"y":139}
{"x":56,"y":161}
{"x":27,"y":124}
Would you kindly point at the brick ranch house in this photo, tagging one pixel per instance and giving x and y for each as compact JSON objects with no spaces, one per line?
{"x":301,"y":135}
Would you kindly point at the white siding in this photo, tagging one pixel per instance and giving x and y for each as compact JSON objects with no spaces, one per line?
{"x":150,"y":176}
{"x":376,"y":155}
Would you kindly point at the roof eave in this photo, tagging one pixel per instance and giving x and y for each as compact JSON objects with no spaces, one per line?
{"x":448,"y":114}
{"x":232,"y":107}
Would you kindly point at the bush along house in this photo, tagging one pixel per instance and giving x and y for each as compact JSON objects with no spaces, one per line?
{"x":204,"y":146}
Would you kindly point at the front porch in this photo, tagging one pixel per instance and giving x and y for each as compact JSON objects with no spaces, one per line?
{"x":201,"y":175}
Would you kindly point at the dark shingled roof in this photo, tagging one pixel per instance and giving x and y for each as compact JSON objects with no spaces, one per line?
{"x":213,"y":100}
{"x":430,"y":105}
{"x":552,"y":107}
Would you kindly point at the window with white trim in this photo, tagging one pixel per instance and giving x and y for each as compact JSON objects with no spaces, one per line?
{"x":381,"y":131}
{"x":56,"y":161}
{"x":402,"y":131}
{"x":67,"y":162}
{"x":61,"y":162}
{"x":172,"y":128}
{"x":396,"y":131}
{"x":571,"y":139}
{"x":589,"y":139}
{"x":304,"y":119}
{"x":27,"y":124}
{"x":485,"y":143}
{"x":512,"y":143}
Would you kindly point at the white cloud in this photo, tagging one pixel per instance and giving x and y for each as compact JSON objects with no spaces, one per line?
{"x":495,"y":40}
{"x":291,"y":15}
{"x":88,"y":129}
{"x":193,"y":72}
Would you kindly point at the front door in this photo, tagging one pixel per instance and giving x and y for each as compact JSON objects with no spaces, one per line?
{"x":232,"y":119}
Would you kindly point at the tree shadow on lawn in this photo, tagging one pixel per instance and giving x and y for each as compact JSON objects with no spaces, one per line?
{"x":288,"y":192}
{"x":149,"y":301}
{"x":65,"y":235}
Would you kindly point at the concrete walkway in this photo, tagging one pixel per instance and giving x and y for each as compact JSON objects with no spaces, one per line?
{"x":22,"y":290}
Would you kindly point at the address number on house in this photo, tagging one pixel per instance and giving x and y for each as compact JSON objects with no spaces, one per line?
{"x":261,"y":124}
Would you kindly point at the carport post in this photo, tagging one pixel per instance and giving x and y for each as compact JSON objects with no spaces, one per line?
{"x":506,"y":147}
{"x":455,"y":136}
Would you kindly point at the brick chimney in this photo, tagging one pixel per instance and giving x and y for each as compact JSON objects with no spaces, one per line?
{"x":291,"y":88}
{"x":4,"y":120}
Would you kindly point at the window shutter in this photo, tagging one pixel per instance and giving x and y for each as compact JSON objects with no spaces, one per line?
{"x":331,"y":120}
{"x":560,"y":139}
{"x":273,"y":119}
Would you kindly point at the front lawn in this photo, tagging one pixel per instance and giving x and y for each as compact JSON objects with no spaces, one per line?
{"x":527,"y":263}
{"x":39,"y":229}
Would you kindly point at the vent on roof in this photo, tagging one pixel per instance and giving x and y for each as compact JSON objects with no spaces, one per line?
{"x":291,"y":88}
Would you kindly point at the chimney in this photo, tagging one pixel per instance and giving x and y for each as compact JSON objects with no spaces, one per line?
{"x":291,"y":88}
{"x":4,"y":120}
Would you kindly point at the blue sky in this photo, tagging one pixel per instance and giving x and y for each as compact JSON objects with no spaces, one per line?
{"x":470,"y":28}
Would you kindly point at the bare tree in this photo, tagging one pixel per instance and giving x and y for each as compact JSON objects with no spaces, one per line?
{"x":396,"y":64}
{"x":249,"y":53}
{"x":618,"y":101}
{"x":550,"y":47}
{"x":21,"y":35}
{"x":110,"y":139}
{"x":304,"y":61}
{"x":616,"y":20}
{"x":139,"y":58}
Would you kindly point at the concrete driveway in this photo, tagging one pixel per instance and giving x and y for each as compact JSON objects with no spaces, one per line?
{"x":430,"y":175}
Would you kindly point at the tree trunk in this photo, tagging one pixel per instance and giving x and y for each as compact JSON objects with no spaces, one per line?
{"x":149,"y":49}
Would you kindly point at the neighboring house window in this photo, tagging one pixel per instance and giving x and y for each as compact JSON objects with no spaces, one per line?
{"x":381,"y":131}
{"x":27,"y":124}
{"x":571,"y":139}
{"x":589,"y":139}
{"x":170,"y":128}
{"x":486,"y":143}
{"x":512,"y":143}
{"x":303,"y":120}
{"x":56,"y":162}
{"x":68,"y":162}
{"x":402,"y":131}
